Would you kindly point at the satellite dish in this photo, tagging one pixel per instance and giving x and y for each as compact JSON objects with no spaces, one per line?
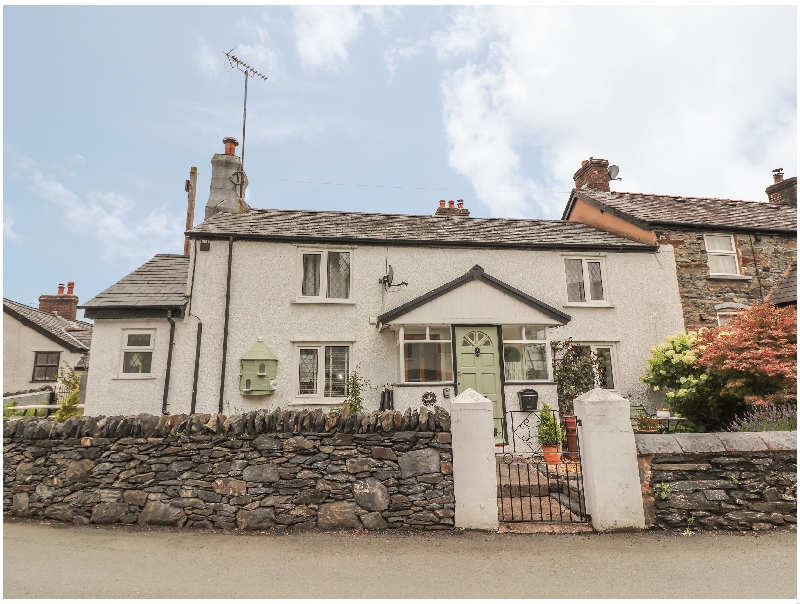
{"x":388,"y":278}
{"x":612,"y":172}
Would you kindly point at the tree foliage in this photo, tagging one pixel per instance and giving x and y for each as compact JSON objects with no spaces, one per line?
{"x":69,"y":406}
{"x":575,"y":371}
{"x":716,"y":375}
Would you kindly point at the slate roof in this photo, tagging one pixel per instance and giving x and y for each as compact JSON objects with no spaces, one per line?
{"x":647,"y":210}
{"x":74,"y":335}
{"x":408,"y":229}
{"x":786,"y":291}
{"x":158,"y":283}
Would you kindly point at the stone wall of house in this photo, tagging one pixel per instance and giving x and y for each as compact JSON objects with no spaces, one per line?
{"x":733,"y":480}
{"x":701,"y":294}
{"x":305,"y":469}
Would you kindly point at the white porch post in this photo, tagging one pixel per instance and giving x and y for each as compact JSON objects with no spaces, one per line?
{"x":611,"y":486}
{"x":474,"y":466}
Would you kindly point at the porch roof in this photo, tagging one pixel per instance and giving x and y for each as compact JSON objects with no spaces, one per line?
{"x":484,"y":299}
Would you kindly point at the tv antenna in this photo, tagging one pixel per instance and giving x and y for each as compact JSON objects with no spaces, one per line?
{"x":247,"y":70}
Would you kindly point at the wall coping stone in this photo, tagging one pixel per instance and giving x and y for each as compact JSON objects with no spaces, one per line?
{"x":658,"y":444}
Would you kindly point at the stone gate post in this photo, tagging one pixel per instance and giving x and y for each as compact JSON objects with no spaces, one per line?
{"x":474,"y":466}
{"x":611,"y":486}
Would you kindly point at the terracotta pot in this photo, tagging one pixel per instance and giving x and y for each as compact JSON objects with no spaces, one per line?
{"x":571,"y":425}
{"x":646,"y":431}
{"x":551,"y":453}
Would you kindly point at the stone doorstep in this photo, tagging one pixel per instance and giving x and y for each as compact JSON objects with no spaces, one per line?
{"x":528,"y":528}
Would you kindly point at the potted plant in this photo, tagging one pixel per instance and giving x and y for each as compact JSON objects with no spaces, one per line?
{"x":662,"y":413}
{"x":646,"y":424}
{"x":549,"y":435}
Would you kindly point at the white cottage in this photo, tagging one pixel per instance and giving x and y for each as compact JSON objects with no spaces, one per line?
{"x":423,"y":305}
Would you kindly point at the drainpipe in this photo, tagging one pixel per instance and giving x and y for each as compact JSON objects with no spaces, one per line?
{"x":196,"y":366}
{"x":755,"y":263}
{"x":169,"y":361}
{"x":225,"y":330}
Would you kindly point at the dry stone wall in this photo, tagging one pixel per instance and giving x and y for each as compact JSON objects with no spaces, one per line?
{"x":256,"y":471}
{"x":733,"y":481}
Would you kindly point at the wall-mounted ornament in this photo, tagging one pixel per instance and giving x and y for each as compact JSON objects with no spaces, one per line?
{"x":259,"y":367}
{"x":429,"y":398}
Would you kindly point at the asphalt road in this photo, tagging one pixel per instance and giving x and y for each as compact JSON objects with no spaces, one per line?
{"x":65,"y":561}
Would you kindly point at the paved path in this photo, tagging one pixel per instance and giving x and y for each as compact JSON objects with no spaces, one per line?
{"x":65,"y":561}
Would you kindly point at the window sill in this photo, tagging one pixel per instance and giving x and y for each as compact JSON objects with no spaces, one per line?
{"x":588,"y":305}
{"x":529,"y":383}
{"x":731,"y":277}
{"x":307,"y":402}
{"x":134,"y":377}
{"x":421,"y":384}
{"x":323,"y":301}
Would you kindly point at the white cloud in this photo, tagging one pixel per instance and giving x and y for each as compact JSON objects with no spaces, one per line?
{"x":112,"y":219}
{"x":687,"y":101}
{"x":210,"y":61}
{"x":9,"y":234}
{"x":394,"y":55}
{"x":322,"y":34}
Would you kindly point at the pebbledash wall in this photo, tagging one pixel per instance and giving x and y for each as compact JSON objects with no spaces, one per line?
{"x":305,"y":469}
{"x":725,"y":480}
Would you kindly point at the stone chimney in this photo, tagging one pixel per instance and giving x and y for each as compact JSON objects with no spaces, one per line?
{"x":450,"y":209}
{"x":64,"y":305}
{"x":228,"y":182}
{"x":593,"y":175}
{"x":782,"y":191}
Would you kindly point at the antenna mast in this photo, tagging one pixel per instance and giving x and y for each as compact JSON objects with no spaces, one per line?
{"x":248,"y":71}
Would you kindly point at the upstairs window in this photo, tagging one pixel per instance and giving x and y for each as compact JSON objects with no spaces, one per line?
{"x":585,"y":280}
{"x":425,"y":354}
{"x":722,"y":259}
{"x":324,"y":275}
{"x":525,"y":352}
{"x":137,"y":352}
{"x":45,"y":366}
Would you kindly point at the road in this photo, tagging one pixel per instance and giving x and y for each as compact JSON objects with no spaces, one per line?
{"x":64,"y":561}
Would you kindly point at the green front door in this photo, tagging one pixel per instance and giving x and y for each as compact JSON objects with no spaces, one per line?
{"x":478,"y":367}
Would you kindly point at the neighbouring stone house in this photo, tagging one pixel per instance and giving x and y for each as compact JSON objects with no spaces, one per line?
{"x":277,"y":307}
{"x":729,"y":254}
{"x":39,"y":341}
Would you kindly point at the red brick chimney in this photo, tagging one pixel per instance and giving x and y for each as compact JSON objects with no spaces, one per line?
{"x":593,"y":175}
{"x":451,"y":209}
{"x":782,"y":191}
{"x":64,"y":305}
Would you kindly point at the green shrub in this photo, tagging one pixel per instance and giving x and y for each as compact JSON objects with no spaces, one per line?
{"x":549,"y":430}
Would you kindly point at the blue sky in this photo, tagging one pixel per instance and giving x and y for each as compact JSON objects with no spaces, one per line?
{"x":107,"y":108}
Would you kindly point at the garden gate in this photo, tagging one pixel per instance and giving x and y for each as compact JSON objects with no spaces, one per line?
{"x":531,"y":489}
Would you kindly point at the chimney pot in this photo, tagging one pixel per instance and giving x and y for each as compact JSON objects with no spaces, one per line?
{"x":777,"y":175}
{"x":60,"y":289}
{"x":70,"y":288}
{"x":230,"y":145}
{"x":442,"y":203}
{"x":584,"y":162}
{"x":451,"y":204}
{"x":460,"y":204}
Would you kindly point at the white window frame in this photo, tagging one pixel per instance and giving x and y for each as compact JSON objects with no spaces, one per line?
{"x":319,"y":398}
{"x":547,"y":352}
{"x":725,"y":313}
{"x":606,"y":300}
{"x":710,"y":252}
{"x":401,"y":341}
{"x":323,"y":277}
{"x":125,"y":348}
{"x":593,"y":346}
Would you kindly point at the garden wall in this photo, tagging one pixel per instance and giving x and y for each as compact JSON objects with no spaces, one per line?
{"x":726,"y":480}
{"x":278,"y":469}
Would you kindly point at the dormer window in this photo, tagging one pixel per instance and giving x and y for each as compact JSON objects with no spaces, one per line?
{"x":324,"y":275}
{"x":722,"y":259}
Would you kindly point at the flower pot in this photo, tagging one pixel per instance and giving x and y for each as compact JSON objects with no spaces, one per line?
{"x":662,"y":413}
{"x":646,"y":431}
{"x":551,"y":453}
{"x":571,"y":425}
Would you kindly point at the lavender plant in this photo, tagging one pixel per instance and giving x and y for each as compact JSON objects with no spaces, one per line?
{"x":765,"y":418}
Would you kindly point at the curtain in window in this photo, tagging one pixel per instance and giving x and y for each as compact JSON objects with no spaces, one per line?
{"x":311,"y":274}
{"x":595,"y":281}
{"x":722,"y":264}
{"x":338,"y":275}
{"x":336,"y":370}
{"x":606,"y":370}
{"x":574,"y":269}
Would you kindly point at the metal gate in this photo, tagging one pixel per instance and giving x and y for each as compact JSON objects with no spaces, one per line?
{"x":531,"y":489}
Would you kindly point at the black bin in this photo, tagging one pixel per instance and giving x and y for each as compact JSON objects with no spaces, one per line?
{"x":528,"y":399}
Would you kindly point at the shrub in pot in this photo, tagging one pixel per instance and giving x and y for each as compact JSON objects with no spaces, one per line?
{"x":549,"y":435}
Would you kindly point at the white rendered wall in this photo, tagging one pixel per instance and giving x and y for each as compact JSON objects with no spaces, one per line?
{"x":20,"y":343}
{"x":645,"y":308}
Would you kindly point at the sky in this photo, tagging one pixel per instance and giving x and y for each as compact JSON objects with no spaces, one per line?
{"x":107,"y":108}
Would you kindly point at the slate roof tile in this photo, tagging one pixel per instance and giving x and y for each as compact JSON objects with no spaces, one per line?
{"x":408,"y":228}
{"x":158,"y":283}
{"x":786,"y":291}
{"x":74,"y":334}
{"x":695,"y":211}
